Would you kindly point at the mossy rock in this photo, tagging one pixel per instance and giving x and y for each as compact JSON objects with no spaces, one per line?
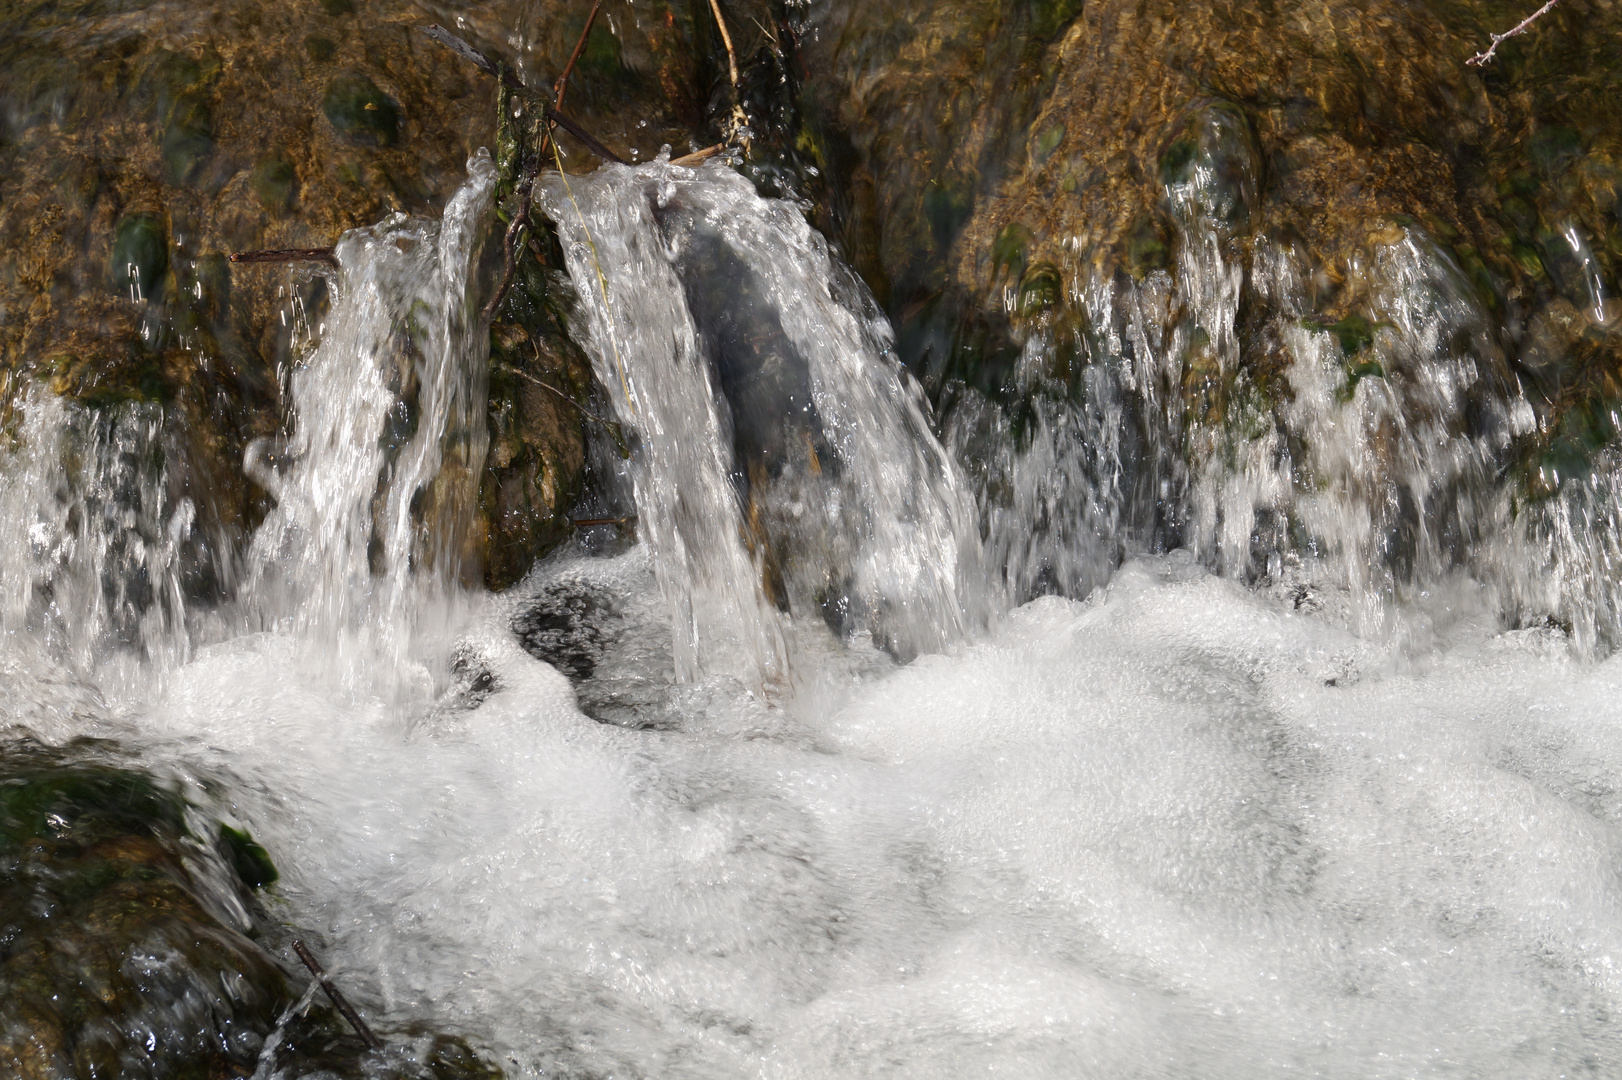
{"x":115,"y":958}
{"x":140,"y":254}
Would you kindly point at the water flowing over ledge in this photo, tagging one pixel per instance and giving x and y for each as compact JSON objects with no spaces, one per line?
{"x":803,"y":788}
{"x":756,"y":372}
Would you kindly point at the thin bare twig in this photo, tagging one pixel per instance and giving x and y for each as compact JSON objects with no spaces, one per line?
{"x":1482,"y":58}
{"x":470,"y":54}
{"x":580,"y":133}
{"x":287,"y":255}
{"x":579,"y":47}
{"x":739,"y":120}
{"x":699,"y":155}
{"x":337,"y":996}
{"x":587,"y":413}
{"x":484,"y":63}
{"x":582,"y":522}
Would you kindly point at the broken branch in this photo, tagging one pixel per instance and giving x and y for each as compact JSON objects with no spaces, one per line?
{"x":1482,"y":58}
{"x":337,"y":996}
{"x":288,"y":255}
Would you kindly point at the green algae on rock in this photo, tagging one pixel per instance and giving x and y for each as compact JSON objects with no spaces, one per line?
{"x":359,"y":111}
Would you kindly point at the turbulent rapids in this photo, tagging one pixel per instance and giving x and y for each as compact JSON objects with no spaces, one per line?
{"x":895,"y":744}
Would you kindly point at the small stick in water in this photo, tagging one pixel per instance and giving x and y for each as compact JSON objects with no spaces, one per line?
{"x":337,"y":996}
{"x":582,"y":522}
{"x":471,"y":55}
{"x":699,"y":155}
{"x":739,"y":120}
{"x":287,"y":255}
{"x":484,"y":63}
{"x":580,"y":133}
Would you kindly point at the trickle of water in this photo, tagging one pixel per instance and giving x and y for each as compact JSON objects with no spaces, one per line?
{"x":784,"y":458}
{"x":1367,"y":454}
{"x":92,"y":537}
{"x":375,"y":488}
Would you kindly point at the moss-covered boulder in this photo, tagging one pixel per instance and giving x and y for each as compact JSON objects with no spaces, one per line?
{"x":132,"y":946}
{"x":124,"y":942}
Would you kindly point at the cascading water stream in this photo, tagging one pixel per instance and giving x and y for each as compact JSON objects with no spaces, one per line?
{"x":375,"y":489}
{"x":93,"y":540}
{"x":781,"y":448}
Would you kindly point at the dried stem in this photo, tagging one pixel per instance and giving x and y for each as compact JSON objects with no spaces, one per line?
{"x":470,"y":54}
{"x":288,"y":255}
{"x":484,"y":63}
{"x":587,"y":413}
{"x":337,"y":996}
{"x":1482,"y":58}
{"x":580,"y":133}
{"x":699,"y":155}
{"x":579,"y":47}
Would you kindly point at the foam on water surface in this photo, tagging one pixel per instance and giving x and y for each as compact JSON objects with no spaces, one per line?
{"x":1185,"y":829}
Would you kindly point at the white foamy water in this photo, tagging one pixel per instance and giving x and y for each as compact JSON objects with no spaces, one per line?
{"x":1183,"y":830}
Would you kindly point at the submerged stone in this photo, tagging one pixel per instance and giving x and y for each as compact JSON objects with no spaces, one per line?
{"x":131,"y":948}
{"x":361,"y":112}
{"x":115,"y":957}
{"x":275,"y":184}
{"x":140,"y":254}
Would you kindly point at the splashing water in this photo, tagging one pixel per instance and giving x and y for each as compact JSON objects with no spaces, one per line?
{"x":93,"y":538}
{"x":1366,"y":456}
{"x":1183,"y":828}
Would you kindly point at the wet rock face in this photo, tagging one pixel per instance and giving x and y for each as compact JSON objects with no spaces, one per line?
{"x":1223,"y":179}
{"x":123,"y":943}
{"x":143,"y":148}
{"x":1312,"y":123}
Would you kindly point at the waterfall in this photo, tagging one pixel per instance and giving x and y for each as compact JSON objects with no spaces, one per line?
{"x":784,"y":460}
{"x":1368,"y":455}
{"x":376,"y":486}
{"x":1199,"y":817}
